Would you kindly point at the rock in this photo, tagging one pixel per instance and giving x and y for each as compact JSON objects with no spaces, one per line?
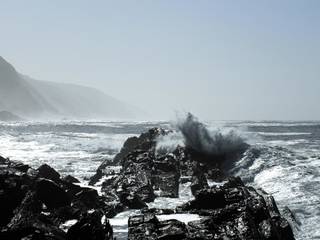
{"x":89,"y":227}
{"x":45,"y":171}
{"x":145,"y":143}
{"x":238,"y":212}
{"x":70,"y":179}
{"x":198,"y":181}
{"x":132,"y":201}
{"x":13,"y":189}
{"x":89,"y":197}
{"x":20,"y":166}
{"x":34,"y":208}
{"x":149,"y":227}
{"x":165,"y":176}
{"x":51,"y":194}
{"x":29,"y":223}
{"x":143,"y":173}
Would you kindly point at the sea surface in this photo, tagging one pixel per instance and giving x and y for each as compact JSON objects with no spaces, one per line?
{"x":284,"y":159}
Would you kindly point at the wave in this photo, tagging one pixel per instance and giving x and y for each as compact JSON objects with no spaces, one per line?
{"x":283,"y":133}
{"x":198,"y":137}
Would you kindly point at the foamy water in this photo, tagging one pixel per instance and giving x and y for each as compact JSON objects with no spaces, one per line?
{"x":284,"y":159}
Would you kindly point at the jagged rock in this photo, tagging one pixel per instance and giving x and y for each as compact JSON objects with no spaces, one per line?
{"x":89,"y":197}
{"x":52,"y":195}
{"x":198,"y":180}
{"x":34,"y":208}
{"x":132,"y":201}
{"x":14,"y":185}
{"x":149,"y":227}
{"x":165,"y":176}
{"x":142,"y":172}
{"x":145,"y":142}
{"x":70,"y":179}
{"x":45,"y":171}
{"x":89,"y":227}
{"x":28,"y":222}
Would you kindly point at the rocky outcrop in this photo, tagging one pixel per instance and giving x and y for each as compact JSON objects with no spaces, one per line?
{"x":89,"y":227}
{"x":35,"y":203}
{"x":227,"y":211}
{"x":146,"y":174}
{"x":231,"y":211}
{"x":143,"y":175}
{"x":38,"y":203}
{"x":148,"y":227}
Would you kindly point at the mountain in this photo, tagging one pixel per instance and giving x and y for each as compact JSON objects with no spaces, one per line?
{"x":32,"y":98}
{"x":6,"y":116}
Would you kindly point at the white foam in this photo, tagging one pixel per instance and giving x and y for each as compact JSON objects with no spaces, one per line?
{"x":65,"y":226}
{"x":185,"y":218}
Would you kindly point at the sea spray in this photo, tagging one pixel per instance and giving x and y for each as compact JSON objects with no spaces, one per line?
{"x":193,"y":134}
{"x":199,"y":138}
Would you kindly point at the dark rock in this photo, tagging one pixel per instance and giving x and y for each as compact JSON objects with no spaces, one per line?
{"x":34,"y":208}
{"x":132,"y":201}
{"x":45,"y":171}
{"x":51,"y":194}
{"x":89,"y":227}
{"x":19,"y":166}
{"x":28,"y":222}
{"x":198,"y":181}
{"x":238,"y":212}
{"x":165,"y":176}
{"x":12,"y":192}
{"x":70,"y":179}
{"x":89,"y":197}
{"x":149,"y":227}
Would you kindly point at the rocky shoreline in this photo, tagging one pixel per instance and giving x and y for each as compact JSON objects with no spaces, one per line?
{"x":40,"y":204}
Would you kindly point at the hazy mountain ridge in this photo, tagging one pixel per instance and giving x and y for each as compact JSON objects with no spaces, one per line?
{"x":31,"y":98}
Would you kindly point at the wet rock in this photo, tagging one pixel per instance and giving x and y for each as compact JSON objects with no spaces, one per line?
{"x":13,"y":189}
{"x":28,"y":222}
{"x":132,"y":201}
{"x":165,"y":176}
{"x":134,"y":181}
{"x":34,"y":208}
{"x":198,"y":181}
{"x":89,"y":227}
{"x":52,"y":195}
{"x":70,"y":179}
{"x":236,"y":211}
{"x":145,"y":142}
{"x":89,"y":197}
{"x":45,"y":171}
{"x":149,"y":227}
{"x":143,"y":173}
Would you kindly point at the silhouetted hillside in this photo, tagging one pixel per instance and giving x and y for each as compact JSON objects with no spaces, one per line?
{"x":33,"y":98}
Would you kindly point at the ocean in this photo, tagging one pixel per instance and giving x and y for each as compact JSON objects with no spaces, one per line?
{"x":284,"y":159}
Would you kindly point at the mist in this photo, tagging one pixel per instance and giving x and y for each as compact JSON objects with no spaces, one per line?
{"x":202,"y":57}
{"x":189,"y":132}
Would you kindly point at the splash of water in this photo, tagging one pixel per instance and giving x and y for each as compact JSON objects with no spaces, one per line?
{"x":199,"y":138}
{"x":195,"y":135}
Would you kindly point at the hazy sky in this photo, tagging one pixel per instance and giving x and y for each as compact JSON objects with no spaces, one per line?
{"x":219,"y":59}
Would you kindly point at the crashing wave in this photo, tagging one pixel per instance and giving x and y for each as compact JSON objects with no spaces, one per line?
{"x":195,"y":135}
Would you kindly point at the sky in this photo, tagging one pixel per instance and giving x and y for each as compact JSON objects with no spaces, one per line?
{"x":221,"y":60}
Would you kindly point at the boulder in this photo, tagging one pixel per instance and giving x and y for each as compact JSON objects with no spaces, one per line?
{"x":35,"y":208}
{"x":70,"y":179}
{"x":51,"y":194}
{"x":45,"y":171}
{"x":89,"y":227}
{"x":29,"y":223}
{"x":149,"y":227}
